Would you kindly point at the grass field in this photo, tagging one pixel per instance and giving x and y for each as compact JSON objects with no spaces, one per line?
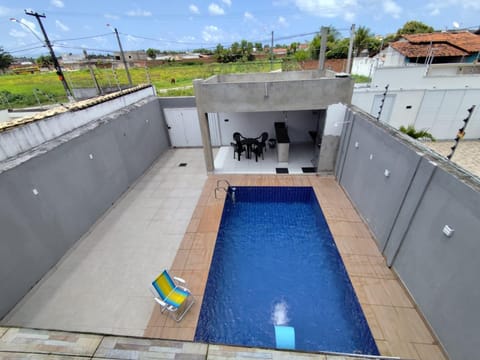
{"x":43,"y":88}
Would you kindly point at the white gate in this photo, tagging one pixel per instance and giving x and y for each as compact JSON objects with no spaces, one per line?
{"x":183,"y":127}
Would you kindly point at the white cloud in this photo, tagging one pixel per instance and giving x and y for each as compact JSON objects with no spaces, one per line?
{"x":57,"y":3}
{"x":30,"y":27}
{"x":17,"y":33}
{"x":133,"y":39}
{"x":248,"y":16}
{"x":469,"y":4}
{"x":100,"y":39}
{"x":215,"y":9}
{"x":194,"y":9}
{"x":111,"y":16}
{"x":349,"y":16}
{"x":282,"y":21}
{"x":390,"y":7}
{"x":435,"y":7}
{"x":211,"y":33}
{"x":139,"y":12}
{"x":61,"y":25}
{"x":4,"y":11}
{"x":326,"y":8}
{"x":227,"y":2}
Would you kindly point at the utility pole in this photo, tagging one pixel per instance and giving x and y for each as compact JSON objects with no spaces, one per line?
{"x":323,"y":48}
{"x":350,"y":49}
{"x":123,"y":57}
{"x":52,"y":54}
{"x":271,"y":55}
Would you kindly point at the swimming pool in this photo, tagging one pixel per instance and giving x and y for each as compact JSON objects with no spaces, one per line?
{"x":275,"y":263}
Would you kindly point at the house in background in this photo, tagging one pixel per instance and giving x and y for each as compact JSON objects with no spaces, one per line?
{"x":421,"y":49}
{"x":432,"y":97}
{"x":432,"y":80}
{"x":434,"y":48}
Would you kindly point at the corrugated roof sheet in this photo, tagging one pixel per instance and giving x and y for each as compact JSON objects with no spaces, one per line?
{"x":423,"y":50}
{"x":463,"y":40}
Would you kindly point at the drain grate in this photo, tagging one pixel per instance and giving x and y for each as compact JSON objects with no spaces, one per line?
{"x":182,"y":164}
{"x":281,"y":170}
{"x":308,"y":169}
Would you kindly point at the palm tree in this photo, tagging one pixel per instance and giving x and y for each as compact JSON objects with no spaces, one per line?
{"x":362,"y":39}
{"x":5,"y":60}
{"x":416,"y":134}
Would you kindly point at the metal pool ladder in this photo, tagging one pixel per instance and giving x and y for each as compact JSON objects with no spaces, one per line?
{"x":225,"y":188}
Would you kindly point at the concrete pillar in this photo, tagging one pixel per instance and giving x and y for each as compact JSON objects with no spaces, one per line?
{"x":204,"y":127}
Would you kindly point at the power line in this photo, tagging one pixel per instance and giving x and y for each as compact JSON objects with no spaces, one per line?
{"x":19,"y":48}
{"x":84,"y":37}
{"x":82,"y":47}
{"x":32,"y":48}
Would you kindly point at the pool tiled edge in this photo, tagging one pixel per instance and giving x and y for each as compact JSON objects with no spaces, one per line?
{"x":397,"y":327}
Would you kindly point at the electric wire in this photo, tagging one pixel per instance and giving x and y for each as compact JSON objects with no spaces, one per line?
{"x":84,"y":37}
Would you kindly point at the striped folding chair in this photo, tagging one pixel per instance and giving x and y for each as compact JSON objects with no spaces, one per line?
{"x":172,"y":295}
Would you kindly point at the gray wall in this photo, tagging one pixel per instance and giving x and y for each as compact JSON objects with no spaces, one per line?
{"x":73,"y":191}
{"x":407,"y":211}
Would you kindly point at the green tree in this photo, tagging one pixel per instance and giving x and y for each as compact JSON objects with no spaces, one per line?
{"x":414,"y":27}
{"x":258,"y":46}
{"x":338,"y":49}
{"x":44,"y":61}
{"x":301,"y":55}
{"x":246,"y":50}
{"x":5,"y":60}
{"x":152,"y":53}
{"x":362,"y":39}
{"x":332,"y":38}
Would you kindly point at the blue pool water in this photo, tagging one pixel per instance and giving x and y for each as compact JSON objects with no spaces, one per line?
{"x":275,"y":263}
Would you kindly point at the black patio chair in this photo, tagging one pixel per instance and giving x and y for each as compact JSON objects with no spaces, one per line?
{"x":262,"y":144}
{"x":238,"y":146}
{"x":257,"y":149}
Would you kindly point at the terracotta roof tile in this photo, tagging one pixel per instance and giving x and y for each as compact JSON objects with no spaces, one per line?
{"x":463,"y":40}
{"x":423,"y":50}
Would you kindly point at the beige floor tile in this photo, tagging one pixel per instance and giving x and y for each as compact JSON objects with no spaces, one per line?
{"x":51,"y":342}
{"x":402,"y":325}
{"x":385,"y":292}
{"x":429,"y":352}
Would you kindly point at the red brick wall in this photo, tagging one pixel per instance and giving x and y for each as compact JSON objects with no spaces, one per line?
{"x":337,"y":65}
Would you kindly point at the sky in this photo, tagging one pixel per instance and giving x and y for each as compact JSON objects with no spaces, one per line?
{"x":191,"y":24}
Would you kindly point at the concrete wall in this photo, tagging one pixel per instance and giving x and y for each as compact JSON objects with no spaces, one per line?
{"x":366,"y":66}
{"x":258,"y":95}
{"x":47,"y":125}
{"x":439,"y":111}
{"x":406,"y":209}
{"x":50,"y":200}
{"x":424,"y":77}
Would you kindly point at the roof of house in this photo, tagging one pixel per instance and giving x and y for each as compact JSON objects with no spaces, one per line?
{"x":463,"y":40}
{"x":423,"y":50}
{"x":444,"y":44}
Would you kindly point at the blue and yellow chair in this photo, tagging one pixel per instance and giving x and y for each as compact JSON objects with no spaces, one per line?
{"x":172,"y":295}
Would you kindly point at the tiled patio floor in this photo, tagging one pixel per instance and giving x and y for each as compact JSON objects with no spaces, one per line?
{"x":101,"y":284}
{"x":467,"y":153}
{"x":19,"y":344}
{"x":396,"y":325}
